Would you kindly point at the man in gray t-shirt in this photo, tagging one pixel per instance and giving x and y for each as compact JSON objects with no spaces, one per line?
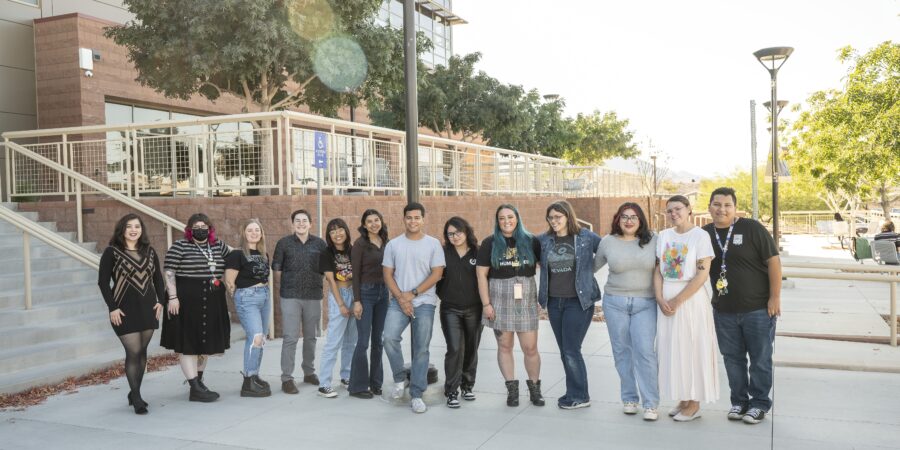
{"x":413,"y":263}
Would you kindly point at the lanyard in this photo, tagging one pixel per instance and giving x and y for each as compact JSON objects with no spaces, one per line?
{"x":722,"y":283}
{"x":208,"y":255}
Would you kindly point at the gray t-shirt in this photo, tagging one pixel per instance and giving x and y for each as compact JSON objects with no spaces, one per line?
{"x":561,"y":267}
{"x":412,"y":262}
{"x":630,"y":266}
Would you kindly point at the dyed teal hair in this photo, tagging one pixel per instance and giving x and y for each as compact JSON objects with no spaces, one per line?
{"x":524,"y":249}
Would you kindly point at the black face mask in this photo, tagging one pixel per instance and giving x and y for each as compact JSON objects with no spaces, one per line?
{"x":200,"y":234}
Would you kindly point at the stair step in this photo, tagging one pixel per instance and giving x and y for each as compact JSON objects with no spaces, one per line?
{"x":18,"y":316}
{"x":6,"y":227}
{"x":44,"y":263}
{"x":13,"y":206}
{"x":56,"y":330}
{"x":40,"y":249}
{"x":45,"y":295}
{"x":41,"y":277}
{"x":15,"y":237}
{"x":14,"y":359}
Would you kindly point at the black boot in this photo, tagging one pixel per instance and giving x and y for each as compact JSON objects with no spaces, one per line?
{"x":200,"y":393}
{"x":140,"y":406}
{"x":512,"y":393}
{"x":534,"y":390}
{"x":260,"y":381}
{"x":251,"y":388}
{"x":203,"y":385}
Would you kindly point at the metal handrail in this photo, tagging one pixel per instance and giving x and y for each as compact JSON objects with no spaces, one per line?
{"x":852,"y":272}
{"x":52,"y":239}
{"x":80,"y":179}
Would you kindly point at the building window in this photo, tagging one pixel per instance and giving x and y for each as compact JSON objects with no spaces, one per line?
{"x":35,"y":3}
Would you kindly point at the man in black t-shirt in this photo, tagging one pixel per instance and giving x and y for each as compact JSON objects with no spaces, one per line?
{"x":746,"y":280}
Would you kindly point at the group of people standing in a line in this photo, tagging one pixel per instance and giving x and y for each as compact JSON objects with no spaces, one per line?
{"x":717,"y":290}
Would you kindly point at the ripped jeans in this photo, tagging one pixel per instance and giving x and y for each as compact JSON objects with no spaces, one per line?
{"x":252,"y":305}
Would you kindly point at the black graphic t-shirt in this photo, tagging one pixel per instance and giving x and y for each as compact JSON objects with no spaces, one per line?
{"x":561,"y":268}
{"x":251,"y":271}
{"x":337,"y":262}
{"x":511,"y":264}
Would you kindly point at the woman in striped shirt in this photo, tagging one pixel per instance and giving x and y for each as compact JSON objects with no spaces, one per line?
{"x":197,"y":323}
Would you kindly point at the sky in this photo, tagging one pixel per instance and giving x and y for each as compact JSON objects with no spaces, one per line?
{"x":682,"y":72}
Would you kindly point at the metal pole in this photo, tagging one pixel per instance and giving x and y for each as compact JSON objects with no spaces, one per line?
{"x":26,"y":259}
{"x":412,"y":107}
{"x":893,"y":314}
{"x":78,"y":212}
{"x":755,"y":182}
{"x":775,"y":228}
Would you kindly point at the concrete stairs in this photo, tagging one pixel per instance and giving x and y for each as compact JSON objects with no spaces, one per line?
{"x":67,"y":331}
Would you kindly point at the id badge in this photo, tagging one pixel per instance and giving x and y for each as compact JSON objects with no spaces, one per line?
{"x":212,"y":266}
{"x":517,"y":291}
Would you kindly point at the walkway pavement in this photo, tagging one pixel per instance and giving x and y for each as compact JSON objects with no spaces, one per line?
{"x":815,"y":408}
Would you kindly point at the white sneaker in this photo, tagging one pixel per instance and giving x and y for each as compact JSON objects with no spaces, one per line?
{"x":630,"y":408}
{"x":418,"y":406}
{"x":651,"y":414}
{"x":398,"y":390}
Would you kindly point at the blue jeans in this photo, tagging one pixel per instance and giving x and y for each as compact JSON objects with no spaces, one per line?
{"x":422,"y":326}
{"x":341,"y":335}
{"x":570,"y":325}
{"x":631,"y":322}
{"x":252,"y":305}
{"x":374,"y":299}
{"x":741,"y":334}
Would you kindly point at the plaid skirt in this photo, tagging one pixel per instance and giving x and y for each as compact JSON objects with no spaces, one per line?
{"x":511,"y":314}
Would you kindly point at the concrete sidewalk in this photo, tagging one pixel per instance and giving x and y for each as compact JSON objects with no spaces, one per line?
{"x":815,"y":409}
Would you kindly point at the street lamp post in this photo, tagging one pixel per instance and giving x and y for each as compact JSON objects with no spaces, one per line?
{"x":772,"y":59}
{"x":412,"y":106}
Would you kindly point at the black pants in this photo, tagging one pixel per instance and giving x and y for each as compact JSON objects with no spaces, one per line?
{"x":462,"y":332}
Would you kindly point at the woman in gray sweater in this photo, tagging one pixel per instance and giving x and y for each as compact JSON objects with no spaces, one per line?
{"x":629,"y":305}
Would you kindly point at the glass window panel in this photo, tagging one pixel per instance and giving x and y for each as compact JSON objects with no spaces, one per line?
{"x":143,"y":115}
{"x":426,"y":24}
{"x":396,"y":8}
{"x":117,"y":114}
{"x":396,"y":21}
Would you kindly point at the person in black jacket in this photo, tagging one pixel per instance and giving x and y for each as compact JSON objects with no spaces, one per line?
{"x":134,"y":297}
{"x":460,"y":310}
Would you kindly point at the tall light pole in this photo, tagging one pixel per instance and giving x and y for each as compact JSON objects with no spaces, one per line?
{"x":772,"y":59}
{"x":412,"y":104}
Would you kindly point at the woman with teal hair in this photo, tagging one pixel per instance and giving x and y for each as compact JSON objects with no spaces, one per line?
{"x":505,"y":268}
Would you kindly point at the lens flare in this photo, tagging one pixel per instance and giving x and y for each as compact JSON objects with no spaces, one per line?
{"x":340,"y":63}
{"x":311,"y":19}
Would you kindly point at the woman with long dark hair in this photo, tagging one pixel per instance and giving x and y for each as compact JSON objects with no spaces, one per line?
{"x":197,"y":323}
{"x":629,"y":306}
{"x":686,"y":335}
{"x":247,"y":278}
{"x":335,"y":263}
{"x":567,"y":291}
{"x":132,"y":285}
{"x":460,"y":310}
{"x":507,"y":262}
{"x":370,"y":304}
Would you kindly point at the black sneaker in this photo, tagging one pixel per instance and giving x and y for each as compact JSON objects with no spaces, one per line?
{"x":453,"y":400}
{"x":345,"y":383}
{"x":363,"y":394}
{"x":467,"y":394}
{"x":737,"y":412}
{"x":574,"y":405}
{"x":754,"y":416}
{"x":376,"y":391}
{"x":327,"y":392}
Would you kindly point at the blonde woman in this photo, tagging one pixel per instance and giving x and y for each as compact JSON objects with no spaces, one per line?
{"x":247,"y":279}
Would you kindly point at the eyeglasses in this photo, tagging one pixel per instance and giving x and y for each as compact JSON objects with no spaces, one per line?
{"x":629,"y":218}
{"x":454,"y":234}
{"x":555,"y":217}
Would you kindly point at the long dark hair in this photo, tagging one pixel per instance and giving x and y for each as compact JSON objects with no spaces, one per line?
{"x":643,"y":232}
{"x":565,"y":208}
{"x":522,"y":237}
{"x":118,"y":238}
{"x":461,"y":225}
{"x":334,"y":224}
{"x":383,"y":233}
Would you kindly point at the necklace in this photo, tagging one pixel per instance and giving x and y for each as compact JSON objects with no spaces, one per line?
{"x":722,"y":283}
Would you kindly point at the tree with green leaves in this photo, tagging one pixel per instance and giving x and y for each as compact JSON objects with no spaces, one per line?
{"x":850,"y":138}
{"x":601,"y":136}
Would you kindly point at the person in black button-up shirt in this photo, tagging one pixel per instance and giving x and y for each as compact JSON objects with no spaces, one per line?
{"x":460,"y":310}
{"x":295,"y":265}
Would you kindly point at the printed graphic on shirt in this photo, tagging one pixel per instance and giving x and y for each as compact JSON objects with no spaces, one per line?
{"x":342,"y":269}
{"x":473,"y":261}
{"x":258,"y":267}
{"x":738,"y":239}
{"x":562,"y":258}
{"x":510,"y":258}
{"x":673,"y":260}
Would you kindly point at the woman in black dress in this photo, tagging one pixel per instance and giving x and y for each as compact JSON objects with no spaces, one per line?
{"x":197,"y":323}
{"x":134,"y":297}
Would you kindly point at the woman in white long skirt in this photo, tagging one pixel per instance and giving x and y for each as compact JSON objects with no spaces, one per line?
{"x":686,"y":335}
